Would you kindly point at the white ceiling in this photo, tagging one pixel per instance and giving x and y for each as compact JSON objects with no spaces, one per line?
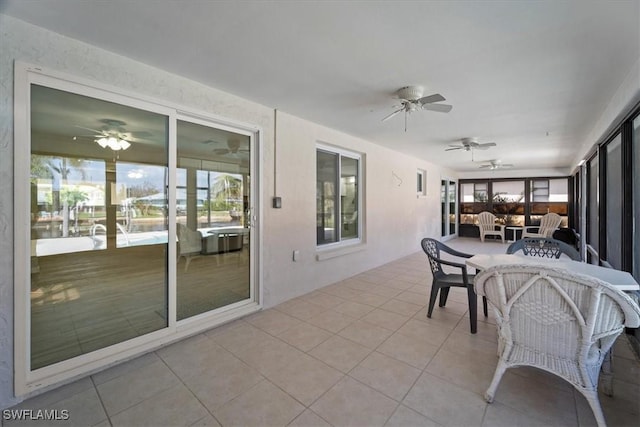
{"x":532,"y":76}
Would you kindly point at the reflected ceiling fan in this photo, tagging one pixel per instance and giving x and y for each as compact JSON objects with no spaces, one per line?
{"x":470,"y":144}
{"x":113,"y":135}
{"x":495,"y":164}
{"x":412,"y":100}
{"x":233,"y":147}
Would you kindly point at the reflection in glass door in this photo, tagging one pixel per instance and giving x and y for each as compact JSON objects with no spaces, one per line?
{"x":98,"y":224}
{"x":212,"y":218}
{"x":448,"y":203}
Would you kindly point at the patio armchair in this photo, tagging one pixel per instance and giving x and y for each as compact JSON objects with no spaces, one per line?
{"x":548,"y":224}
{"x":189,"y":244}
{"x":557,"y":321}
{"x":487,"y":225}
{"x":442,"y":282}
{"x":544,"y":247}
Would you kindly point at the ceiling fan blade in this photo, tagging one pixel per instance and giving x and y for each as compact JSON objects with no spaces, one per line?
{"x":392,"y":114}
{"x":486,"y":166}
{"x":436,"y":97}
{"x":101,"y":132}
{"x":485,"y":146}
{"x":441,"y":108}
{"x":454,"y":148}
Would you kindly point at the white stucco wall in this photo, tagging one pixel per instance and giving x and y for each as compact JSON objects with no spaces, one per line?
{"x":395,"y":218}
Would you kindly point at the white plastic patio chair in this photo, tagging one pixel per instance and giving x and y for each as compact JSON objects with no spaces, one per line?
{"x":189,"y":244}
{"x":555,"y":320}
{"x":548,"y":224}
{"x":487,"y":225}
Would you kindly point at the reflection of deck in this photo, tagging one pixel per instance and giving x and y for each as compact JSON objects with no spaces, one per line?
{"x":84,"y":301}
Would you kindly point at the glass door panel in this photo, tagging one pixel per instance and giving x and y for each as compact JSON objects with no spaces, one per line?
{"x":212,"y":215}
{"x":98,"y":257}
{"x":452,"y":208}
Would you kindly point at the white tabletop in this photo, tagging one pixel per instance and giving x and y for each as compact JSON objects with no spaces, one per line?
{"x":620,"y":279}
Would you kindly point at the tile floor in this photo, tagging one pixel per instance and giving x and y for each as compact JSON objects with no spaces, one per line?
{"x":360,"y":352}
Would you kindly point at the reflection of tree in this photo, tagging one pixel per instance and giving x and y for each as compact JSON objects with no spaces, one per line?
{"x":227,"y":190}
{"x":506,"y":207}
{"x":71,"y":198}
{"x":143,"y":190}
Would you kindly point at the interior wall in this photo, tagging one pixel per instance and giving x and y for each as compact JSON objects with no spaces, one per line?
{"x":396,"y":219}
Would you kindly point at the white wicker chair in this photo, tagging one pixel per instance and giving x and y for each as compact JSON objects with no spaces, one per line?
{"x":557,"y":321}
{"x":487,"y":225}
{"x":189,"y":244}
{"x":548,"y":224}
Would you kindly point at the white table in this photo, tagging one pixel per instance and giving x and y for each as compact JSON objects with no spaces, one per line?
{"x":515,"y":230}
{"x":620,"y":279}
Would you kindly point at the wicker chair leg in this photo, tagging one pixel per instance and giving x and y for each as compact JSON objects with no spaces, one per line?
{"x":432,"y":299}
{"x":594,"y":403}
{"x":497,"y":376}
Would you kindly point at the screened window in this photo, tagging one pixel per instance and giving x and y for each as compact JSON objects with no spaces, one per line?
{"x":337,"y":196}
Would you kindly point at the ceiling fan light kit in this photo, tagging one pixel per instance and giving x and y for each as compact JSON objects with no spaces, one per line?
{"x":412,"y":100}
{"x":116,"y":144}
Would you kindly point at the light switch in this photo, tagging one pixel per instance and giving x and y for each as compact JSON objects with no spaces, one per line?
{"x":296,"y":255}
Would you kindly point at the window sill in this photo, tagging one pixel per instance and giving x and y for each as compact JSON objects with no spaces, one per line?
{"x":325,"y":254}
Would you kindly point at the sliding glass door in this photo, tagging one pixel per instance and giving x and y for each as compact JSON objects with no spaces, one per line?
{"x":448,"y":201}
{"x":134,"y":223}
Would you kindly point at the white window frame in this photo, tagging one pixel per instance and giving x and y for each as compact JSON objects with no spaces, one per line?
{"x":26,"y":380}
{"x":341,"y":152}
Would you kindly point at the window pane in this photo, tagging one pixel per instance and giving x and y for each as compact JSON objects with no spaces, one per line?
{"x":349,"y":197}
{"x":212,"y":204}
{"x":326,"y":197}
{"x":614,"y":202}
{"x":99,"y":263}
{"x":508,"y":202}
{"x":592,"y":207}
{"x":636,"y":198}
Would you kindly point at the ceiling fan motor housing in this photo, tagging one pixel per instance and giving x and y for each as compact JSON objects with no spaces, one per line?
{"x":410,"y":93}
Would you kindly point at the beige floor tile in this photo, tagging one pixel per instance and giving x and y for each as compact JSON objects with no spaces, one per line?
{"x":465,"y":344}
{"x":50,"y":398}
{"x":340,"y":353}
{"x":372,"y":299}
{"x":309,"y":419}
{"x":487,"y":331}
{"x":443,"y":318}
{"x":537,"y":399}
{"x":384,"y":291}
{"x":462,"y":370}
{"x":176,"y":406}
{"x":386,"y":374}
{"x":617,"y":412}
{"x":499,"y":415}
{"x":373,"y":277}
{"x":207,"y":421}
{"x":305,"y":336}
{"x":424,"y":331}
{"x":417,"y":353}
{"x":341,"y":291}
{"x":270,"y":356}
{"x":385,"y":319}
{"x":357,"y":284}
{"x":301,"y":309}
{"x":413,"y":297}
{"x":305,"y":379}
{"x":332,"y":321}
{"x":240,"y":338}
{"x":84,"y":409}
{"x":353,"y":309}
{"x":124,"y":368}
{"x":445,"y":403}
{"x":406,"y":417}
{"x":262,"y":405}
{"x":350,"y":403}
{"x":398,"y":283}
{"x":323,"y":300}
{"x":216,"y":390}
{"x":194,"y":356}
{"x":272,"y":321}
{"x":136,"y":386}
{"x":401,"y":307}
{"x":365,"y":333}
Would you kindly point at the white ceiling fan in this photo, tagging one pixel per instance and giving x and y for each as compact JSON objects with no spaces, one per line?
{"x":114,"y":135}
{"x":412,"y":100}
{"x":234,"y":147}
{"x":495,"y":164}
{"x":470,"y":144}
